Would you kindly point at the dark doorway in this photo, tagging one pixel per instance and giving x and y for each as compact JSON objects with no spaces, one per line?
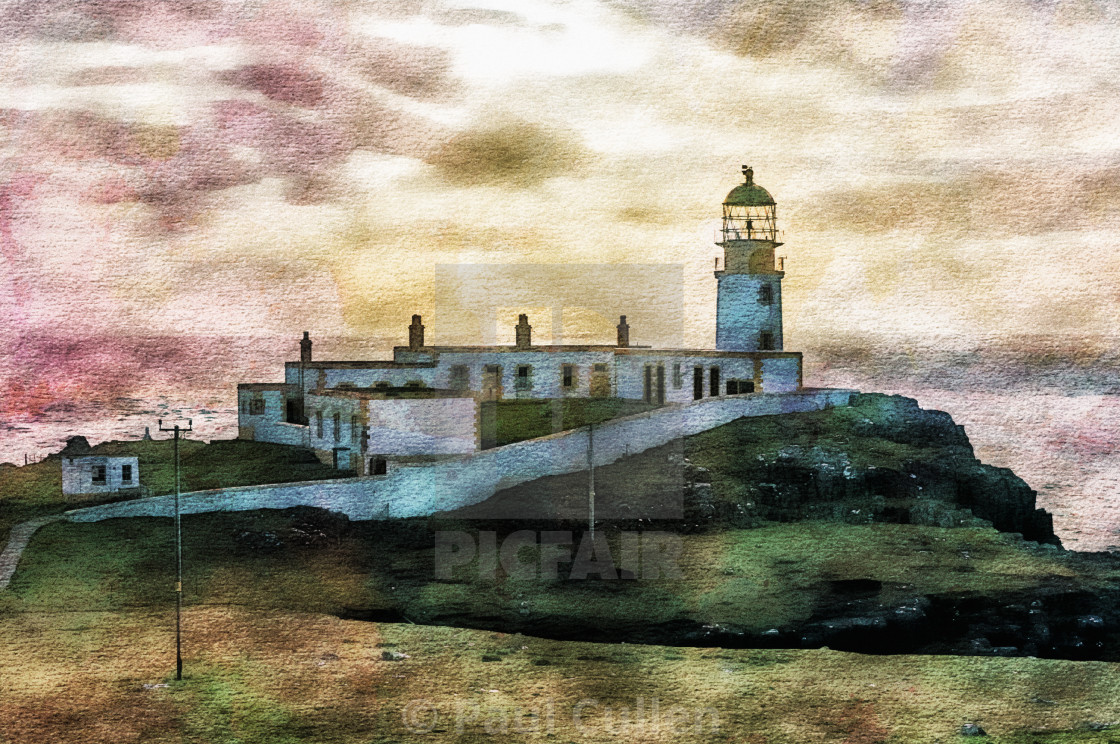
{"x":600,"y":381}
{"x":660,"y":383}
{"x":697,"y":383}
{"x":647,"y":385}
{"x":492,"y":382}
{"x":714,"y":389}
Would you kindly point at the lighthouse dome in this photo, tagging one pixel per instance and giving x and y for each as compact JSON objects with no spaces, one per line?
{"x":749,"y":194}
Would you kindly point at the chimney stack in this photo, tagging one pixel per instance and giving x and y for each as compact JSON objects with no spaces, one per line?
{"x":623,"y":332}
{"x":305,"y":348}
{"x":524,"y":332}
{"x":415,"y":334}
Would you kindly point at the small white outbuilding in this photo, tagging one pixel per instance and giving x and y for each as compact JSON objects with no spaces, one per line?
{"x":99,"y":474}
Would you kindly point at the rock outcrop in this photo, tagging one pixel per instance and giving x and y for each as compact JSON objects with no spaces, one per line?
{"x":883,"y":459}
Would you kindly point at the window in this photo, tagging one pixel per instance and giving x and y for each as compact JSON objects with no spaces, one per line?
{"x":599,"y":368}
{"x":697,"y":383}
{"x":524,"y":377}
{"x":245,"y":404}
{"x":460,"y":377}
{"x":568,"y":378}
{"x":355,"y":428}
{"x":765,"y":341}
{"x":678,"y":379}
{"x":740,"y":387}
{"x":319,"y":424}
{"x":337,"y":427}
{"x":766,"y":294}
{"x":713,"y":389}
{"x":126,"y":473}
{"x":98,"y":474}
{"x":256,"y":407}
{"x":378,"y":466}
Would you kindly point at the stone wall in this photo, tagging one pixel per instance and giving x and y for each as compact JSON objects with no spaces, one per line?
{"x":425,"y":489}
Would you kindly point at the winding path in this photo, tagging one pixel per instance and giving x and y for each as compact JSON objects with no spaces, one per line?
{"x":17,"y":540}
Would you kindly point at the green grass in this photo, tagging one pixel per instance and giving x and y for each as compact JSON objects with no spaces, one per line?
{"x":131,"y":563}
{"x":756,"y":579}
{"x":517,"y":420}
{"x":88,"y":620}
{"x":36,"y":490}
{"x":732,"y":452}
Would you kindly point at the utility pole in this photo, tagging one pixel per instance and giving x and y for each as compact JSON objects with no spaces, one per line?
{"x":178,"y":553}
{"x":591,"y":479}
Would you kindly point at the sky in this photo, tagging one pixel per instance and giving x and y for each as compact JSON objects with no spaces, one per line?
{"x":189,"y":186}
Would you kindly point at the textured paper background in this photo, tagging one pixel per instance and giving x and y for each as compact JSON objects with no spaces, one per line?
{"x":187,"y":186}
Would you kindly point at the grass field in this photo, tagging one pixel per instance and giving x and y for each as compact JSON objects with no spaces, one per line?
{"x":89,"y":617}
{"x":86,"y":627}
{"x":36,"y":490}
{"x":517,"y":420}
{"x":757,"y":579}
{"x":287,"y":677}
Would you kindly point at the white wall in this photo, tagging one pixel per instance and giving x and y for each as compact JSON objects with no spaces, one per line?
{"x":397,"y":426}
{"x":270,"y":425}
{"x":739,"y":314}
{"x":425,"y":489}
{"x":77,"y":474}
{"x":626,"y":373}
{"x":423,"y":426}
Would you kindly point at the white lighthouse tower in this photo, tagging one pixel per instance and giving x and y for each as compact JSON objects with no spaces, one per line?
{"x":749,"y":295}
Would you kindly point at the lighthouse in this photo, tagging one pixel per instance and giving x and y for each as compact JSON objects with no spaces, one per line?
{"x":749,"y":294}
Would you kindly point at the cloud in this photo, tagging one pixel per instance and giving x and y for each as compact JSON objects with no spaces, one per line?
{"x":515,"y":153}
{"x":936,"y":166}
{"x":286,"y":83}
{"x":1015,"y":199}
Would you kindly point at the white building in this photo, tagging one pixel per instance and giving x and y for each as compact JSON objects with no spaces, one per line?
{"x":334,"y":406}
{"x":92,"y":474}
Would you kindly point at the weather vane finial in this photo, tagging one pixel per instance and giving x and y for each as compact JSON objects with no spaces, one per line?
{"x":748,"y":173}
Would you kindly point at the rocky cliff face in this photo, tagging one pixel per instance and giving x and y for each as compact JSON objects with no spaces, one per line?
{"x":883,"y":459}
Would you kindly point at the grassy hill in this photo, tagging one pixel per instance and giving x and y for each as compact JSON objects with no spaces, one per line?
{"x":868,"y":527}
{"x":35,"y":490}
{"x":89,"y":622}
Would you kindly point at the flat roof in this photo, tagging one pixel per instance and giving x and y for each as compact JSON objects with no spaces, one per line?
{"x":623,"y":350}
{"x":508,"y":349}
{"x":263,"y":386}
{"x":391,"y":392}
{"x":359,"y":364}
{"x":557,"y":349}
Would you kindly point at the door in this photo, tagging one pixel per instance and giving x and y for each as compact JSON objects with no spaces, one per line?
{"x":492,"y":382}
{"x":697,"y":383}
{"x":714,"y":391}
{"x":600,"y":381}
{"x":661,"y":384}
{"x":647,"y":385}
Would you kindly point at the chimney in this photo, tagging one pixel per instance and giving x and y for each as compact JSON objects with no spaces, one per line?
{"x":415,"y":334}
{"x":305,"y":348}
{"x":524,"y":332}
{"x":623,"y":332}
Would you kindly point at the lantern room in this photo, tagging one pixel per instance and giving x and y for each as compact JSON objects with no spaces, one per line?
{"x":749,"y":213}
